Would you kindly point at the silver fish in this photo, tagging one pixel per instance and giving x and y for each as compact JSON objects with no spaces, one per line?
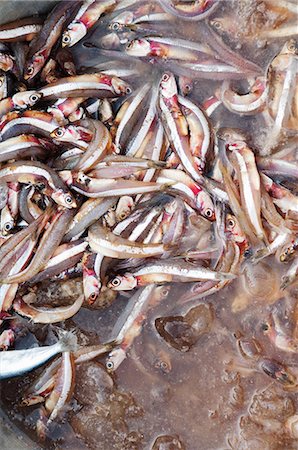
{"x":17,"y":362}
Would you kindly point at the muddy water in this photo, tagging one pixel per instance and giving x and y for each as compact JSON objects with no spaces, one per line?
{"x":209,"y":397}
{"x":206,"y":397}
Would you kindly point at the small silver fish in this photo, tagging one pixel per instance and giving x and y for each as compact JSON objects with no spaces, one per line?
{"x":17,"y":362}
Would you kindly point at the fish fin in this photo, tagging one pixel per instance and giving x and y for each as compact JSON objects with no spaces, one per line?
{"x":228,"y":276}
{"x":167,"y":185}
{"x":68,"y":341}
{"x":286,"y":281}
{"x":155,"y":164}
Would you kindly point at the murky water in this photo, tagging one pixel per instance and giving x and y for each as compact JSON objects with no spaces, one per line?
{"x":205,"y":396}
{"x":209,"y":397}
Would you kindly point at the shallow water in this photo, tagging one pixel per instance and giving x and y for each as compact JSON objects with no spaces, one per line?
{"x":202,"y":395}
{"x":206,"y":398}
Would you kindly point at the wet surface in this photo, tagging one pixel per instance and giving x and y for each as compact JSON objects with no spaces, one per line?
{"x":208,"y":396}
{"x":194,"y":377}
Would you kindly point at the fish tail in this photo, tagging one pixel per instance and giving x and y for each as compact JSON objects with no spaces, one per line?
{"x":68,"y":341}
{"x":154,"y":164}
{"x":226,"y":276}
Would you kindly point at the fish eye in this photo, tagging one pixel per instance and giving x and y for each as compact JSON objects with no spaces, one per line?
{"x":93,"y":296}
{"x":41,"y":185}
{"x":292,"y":46}
{"x":165,"y":77}
{"x":208,"y":212}
{"x":115,"y":282}
{"x":265,"y":327}
{"x":164,"y":292}
{"x":187,"y":87}
{"x":163,"y":365}
{"x":33,"y":98}
{"x":128,"y":90}
{"x":30,"y":70}
{"x":7,"y":226}
{"x":59,"y":132}
{"x":68,"y":199}
{"x":122,"y":216}
{"x":115,"y":26}
{"x":110,"y":365}
{"x":66,"y":39}
{"x":216,"y":24}
{"x":231,"y":223}
{"x":247,"y":253}
{"x":113,"y":208}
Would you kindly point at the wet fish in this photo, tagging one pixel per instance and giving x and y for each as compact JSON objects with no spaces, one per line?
{"x":17,"y":362}
{"x":165,"y":272}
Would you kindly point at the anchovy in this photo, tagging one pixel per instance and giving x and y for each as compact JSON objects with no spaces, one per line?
{"x":48,"y":315}
{"x":165,"y":272}
{"x":14,"y":363}
{"x":48,"y":244}
{"x":41,"y":46}
{"x":39,"y":174}
{"x":105,"y":242}
{"x":91,"y":211}
{"x":96,"y":85}
{"x":86,"y":17}
{"x":20,"y":147}
{"x":20,"y":30}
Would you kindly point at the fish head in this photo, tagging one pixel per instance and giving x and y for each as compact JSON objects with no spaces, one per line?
{"x":116,"y":26}
{"x":124,"y":18}
{"x":120,"y":86}
{"x":75,"y":32}
{"x":168,"y":86}
{"x":138,"y":47}
{"x":185,"y":85}
{"x":205,"y":205}
{"x":268,"y":328}
{"x":68,"y":133}
{"x":33,"y":67}
{"x":124,"y":207}
{"x":236,"y":145}
{"x":162,"y":362}
{"x":218,"y":23}
{"x":125,"y":282}
{"x":81,"y":178}
{"x":66,"y":176}
{"x":6,"y":62}
{"x":26,"y":99}
{"x":91,"y":286}
{"x":233,"y":229}
{"x":289,"y":48}
{"x":159,"y":294}
{"x":231,"y":135}
{"x":58,"y":133}
{"x":64,"y":199}
{"x":78,"y":114}
{"x":7,"y":338}
{"x":114,"y":359}
{"x":110,"y":218}
{"x":6,"y":225}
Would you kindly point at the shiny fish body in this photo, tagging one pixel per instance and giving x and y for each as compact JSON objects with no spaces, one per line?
{"x":14,"y":363}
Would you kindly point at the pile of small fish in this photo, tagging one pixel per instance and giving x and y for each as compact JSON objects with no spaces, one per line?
{"x":128,"y":181}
